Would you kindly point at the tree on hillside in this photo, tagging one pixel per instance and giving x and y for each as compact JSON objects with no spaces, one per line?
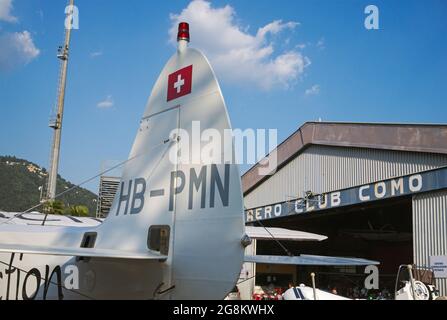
{"x":54,"y":207}
{"x":21,"y":187}
{"x":79,"y":211}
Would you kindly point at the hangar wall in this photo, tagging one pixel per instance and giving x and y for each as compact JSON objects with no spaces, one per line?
{"x":327,"y":168}
{"x":323,"y":169}
{"x":430,"y":230}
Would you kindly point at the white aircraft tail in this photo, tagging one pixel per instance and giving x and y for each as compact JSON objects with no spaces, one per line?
{"x":178,"y":194}
{"x":176,"y":224}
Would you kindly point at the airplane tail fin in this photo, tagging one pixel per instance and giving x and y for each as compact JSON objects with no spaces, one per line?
{"x":180,"y":192}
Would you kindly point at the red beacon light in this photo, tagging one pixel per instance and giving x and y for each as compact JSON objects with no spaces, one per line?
{"x":183,"y":31}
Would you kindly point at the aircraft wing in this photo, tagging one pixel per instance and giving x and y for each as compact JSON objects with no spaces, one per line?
{"x":260,"y":233}
{"x":80,"y":252}
{"x":311,"y":260}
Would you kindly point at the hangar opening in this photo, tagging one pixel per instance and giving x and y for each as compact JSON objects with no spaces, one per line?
{"x":380,"y":232}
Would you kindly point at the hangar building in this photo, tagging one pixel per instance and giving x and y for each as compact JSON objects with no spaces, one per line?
{"x":378,"y":191}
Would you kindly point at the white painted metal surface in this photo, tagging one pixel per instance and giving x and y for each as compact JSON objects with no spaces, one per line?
{"x":36,"y":218}
{"x":80,"y":252}
{"x":307,"y":293}
{"x":259,"y":233}
{"x":310,"y":260}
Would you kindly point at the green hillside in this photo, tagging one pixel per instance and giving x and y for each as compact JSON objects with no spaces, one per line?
{"x":20,"y":181}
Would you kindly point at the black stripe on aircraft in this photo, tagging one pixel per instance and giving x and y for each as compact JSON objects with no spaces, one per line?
{"x":22,"y":217}
{"x":74,"y":219}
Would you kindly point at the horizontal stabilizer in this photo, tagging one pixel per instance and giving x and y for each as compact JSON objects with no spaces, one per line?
{"x":310,"y":260}
{"x":80,"y":252}
{"x":261,"y":233}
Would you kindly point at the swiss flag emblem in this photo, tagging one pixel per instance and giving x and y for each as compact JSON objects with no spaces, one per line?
{"x":180,"y":83}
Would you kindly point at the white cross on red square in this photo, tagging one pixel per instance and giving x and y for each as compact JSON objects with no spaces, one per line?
{"x":180,"y":83}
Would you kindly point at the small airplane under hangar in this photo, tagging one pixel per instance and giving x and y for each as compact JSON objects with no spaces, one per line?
{"x":379,"y":190}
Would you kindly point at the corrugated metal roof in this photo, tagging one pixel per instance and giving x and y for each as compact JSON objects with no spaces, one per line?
{"x":423,"y":138}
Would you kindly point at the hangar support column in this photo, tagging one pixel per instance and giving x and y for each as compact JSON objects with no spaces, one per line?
{"x":430,"y":230}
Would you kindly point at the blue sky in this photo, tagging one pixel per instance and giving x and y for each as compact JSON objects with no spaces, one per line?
{"x":316,"y":60}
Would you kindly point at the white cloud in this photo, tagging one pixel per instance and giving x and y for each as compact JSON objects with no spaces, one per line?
{"x":5,"y":11}
{"x":313,"y":91}
{"x":275,"y":27}
{"x":16,"y":49}
{"x":321,"y":44}
{"x":107,"y":103}
{"x":238,"y":56}
{"x":96,"y":54}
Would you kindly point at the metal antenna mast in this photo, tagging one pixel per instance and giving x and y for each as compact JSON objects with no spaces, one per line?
{"x":56,"y":120}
